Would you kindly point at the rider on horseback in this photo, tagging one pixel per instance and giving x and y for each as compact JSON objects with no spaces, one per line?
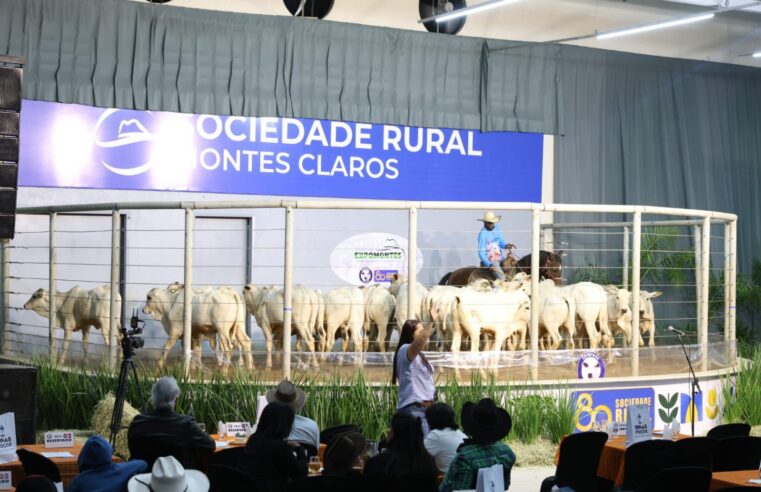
{"x":490,"y":244}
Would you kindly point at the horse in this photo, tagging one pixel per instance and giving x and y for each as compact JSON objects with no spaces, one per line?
{"x":550,"y":267}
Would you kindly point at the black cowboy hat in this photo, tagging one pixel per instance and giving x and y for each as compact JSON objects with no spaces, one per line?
{"x":485,"y":422}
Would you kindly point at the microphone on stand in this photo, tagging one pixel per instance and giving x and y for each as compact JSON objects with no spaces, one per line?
{"x":678,"y":332}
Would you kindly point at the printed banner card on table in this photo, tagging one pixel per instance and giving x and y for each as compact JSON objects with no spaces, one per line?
{"x":59,"y":439}
{"x":639,"y":427}
{"x":7,"y":433}
{"x":236,"y":428}
{"x":5,"y":480}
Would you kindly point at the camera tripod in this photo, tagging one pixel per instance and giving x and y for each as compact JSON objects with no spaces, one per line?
{"x":129,"y":343}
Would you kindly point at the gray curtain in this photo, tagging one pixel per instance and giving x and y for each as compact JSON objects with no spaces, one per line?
{"x":117,"y":53}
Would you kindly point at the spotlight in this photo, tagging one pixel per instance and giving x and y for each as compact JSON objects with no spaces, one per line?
{"x":309,"y":8}
{"x":432,"y":8}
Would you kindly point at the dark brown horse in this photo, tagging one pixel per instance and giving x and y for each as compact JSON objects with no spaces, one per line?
{"x":550,"y":267}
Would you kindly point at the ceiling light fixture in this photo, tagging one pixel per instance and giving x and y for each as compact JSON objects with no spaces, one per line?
{"x":757,"y":54}
{"x":658,"y":25}
{"x":481,"y":7}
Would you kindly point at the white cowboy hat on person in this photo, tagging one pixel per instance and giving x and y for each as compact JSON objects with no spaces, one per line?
{"x":286,"y":392}
{"x":490,"y":217}
{"x":168,"y":475}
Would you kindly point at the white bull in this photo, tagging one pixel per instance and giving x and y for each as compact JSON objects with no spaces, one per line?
{"x":344,"y":309}
{"x":590,"y":303}
{"x":380,"y":307}
{"x":556,"y":309}
{"x":238,"y":335}
{"x":266,"y":305}
{"x":647,"y":316}
{"x":214,"y":312}
{"x":402,"y":301}
{"x":499,"y":313}
{"x":77,"y":310}
{"x":619,"y":313}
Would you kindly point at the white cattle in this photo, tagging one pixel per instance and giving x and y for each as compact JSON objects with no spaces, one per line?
{"x":647,"y":316}
{"x":442,"y":297}
{"x":380,"y":307}
{"x":619,"y":313}
{"x":344,"y":309}
{"x":266,"y":305}
{"x":590,"y":303}
{"x":238,"y":335}
{"x":556,"y":309}
{"x":77,"y":310}
{"x":499,"y":313}
{"x":214,"y":312}
{"x":420,"y":311}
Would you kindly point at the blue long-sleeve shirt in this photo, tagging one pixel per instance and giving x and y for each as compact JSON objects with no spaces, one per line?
{"x":487,"y":237}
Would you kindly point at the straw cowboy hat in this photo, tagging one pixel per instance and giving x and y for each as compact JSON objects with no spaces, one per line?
{"x":289,"y":394}
{"x":490,"y":217}
{"x":485,"y":422}
{"x":168,"y":475}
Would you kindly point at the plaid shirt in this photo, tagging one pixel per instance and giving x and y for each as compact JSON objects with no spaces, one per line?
{"x":463,"y":471}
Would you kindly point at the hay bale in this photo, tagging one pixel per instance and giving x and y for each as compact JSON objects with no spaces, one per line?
{"x":101,"y":423}
{"x":539,"y":453}
{"x":755,"y":431}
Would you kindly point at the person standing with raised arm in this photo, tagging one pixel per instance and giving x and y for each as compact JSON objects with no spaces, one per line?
{"x":412,"y":371}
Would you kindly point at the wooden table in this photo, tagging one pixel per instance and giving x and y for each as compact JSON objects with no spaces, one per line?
{"x":66,"y":466}
{"x":723,"y":480}
{"x":611,"y":465}
{"x":232,"y":444}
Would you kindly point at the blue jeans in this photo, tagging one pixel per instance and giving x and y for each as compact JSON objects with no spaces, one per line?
{"x":496,"y":270}
{"x":417,"y":410}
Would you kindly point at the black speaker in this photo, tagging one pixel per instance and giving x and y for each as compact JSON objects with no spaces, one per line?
{"x":10,"y":108}
{"x":18,"y":395}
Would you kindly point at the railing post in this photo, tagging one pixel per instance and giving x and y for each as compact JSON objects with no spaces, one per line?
{"x":52,"y":288}
{"x":636,"y":261}
{"x":187,"y":301}
{"x":705,"y":280}
{"x":625,"y":274}
{"x":412,"y":265}
{"x":4,"y":263}
{"x":288,"y":292}
{"x":536,"y":222}
{"x":697,"y":239}
{"x":727,"y":261}
{"x":112,"y":307}
{"x":732,"y":274}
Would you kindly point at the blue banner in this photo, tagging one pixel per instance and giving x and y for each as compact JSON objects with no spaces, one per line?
{"x":72,"y":146}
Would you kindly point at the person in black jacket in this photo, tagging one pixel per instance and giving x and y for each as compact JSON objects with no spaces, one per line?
{"x":268,"y":458}
{"x":163,"y":432}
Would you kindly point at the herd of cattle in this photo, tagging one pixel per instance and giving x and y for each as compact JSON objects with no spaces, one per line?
{"x":488,"y":314}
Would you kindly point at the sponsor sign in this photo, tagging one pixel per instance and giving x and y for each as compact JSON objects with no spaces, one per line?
{"x":5,"y":480}
{"x":236,"y":428}
{"x":639,"y":424}
{"x":591,"y":366}
{"x":7,"y":433}
{"x":371,"y":258}
{"x":674,"y":405}
{"x":57,"y":439}
{"x":596,"y":406}
{"x":67,"y":145}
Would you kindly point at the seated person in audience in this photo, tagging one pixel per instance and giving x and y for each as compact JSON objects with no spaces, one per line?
{"x":487,"y":425}
{"x":342,"y":454}
{"x":271,"y":460}
{"x":163,"y":432}
{"x":36,"y":483}
{"x":444,"y":439}
{"x":404,"y":455}
{"x":305,"y":430}
{"x":168,"y":475}
{"x":97,"y":473}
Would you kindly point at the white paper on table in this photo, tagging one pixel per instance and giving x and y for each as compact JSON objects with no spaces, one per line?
{"x":756,"y":481}
{"x":221,"y":444}
{"x":8,"y":433}
{"x":8,"y":458}
{"x":57,"y":454}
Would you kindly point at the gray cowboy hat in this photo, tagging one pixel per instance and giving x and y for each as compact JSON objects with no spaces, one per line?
{"x":289,"y":394}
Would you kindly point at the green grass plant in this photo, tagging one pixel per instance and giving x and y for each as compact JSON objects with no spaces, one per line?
{"x":741,"y":392}
{"x":66,"y":399}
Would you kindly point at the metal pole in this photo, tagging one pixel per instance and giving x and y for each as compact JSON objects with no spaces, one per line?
{"x":698,"y":237}
{"x":705,"y":278}
{"x":187,"y":301}
{"x":412,"y":266}
{"x":625,"y":276}
{"x":727,"y":281}
{"x":52,"y":289}
{"x":536,"y":221}
{"x":6,"y":296}
{"x":288,"y":292}
{"x":113,"y":314}
{"x":732,"y":274}
{"x":636,"y":257}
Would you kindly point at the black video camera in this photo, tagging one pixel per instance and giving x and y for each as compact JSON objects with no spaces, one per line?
{"x":130,"y":339}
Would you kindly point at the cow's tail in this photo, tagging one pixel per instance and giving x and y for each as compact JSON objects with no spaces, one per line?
{"x":570,"y":321}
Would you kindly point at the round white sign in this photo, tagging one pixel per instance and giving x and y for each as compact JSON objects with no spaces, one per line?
{"x":371,"y":258}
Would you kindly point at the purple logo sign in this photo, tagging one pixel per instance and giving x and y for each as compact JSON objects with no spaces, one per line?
{"x":591,"y":366}
{"x":65,"y":145}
